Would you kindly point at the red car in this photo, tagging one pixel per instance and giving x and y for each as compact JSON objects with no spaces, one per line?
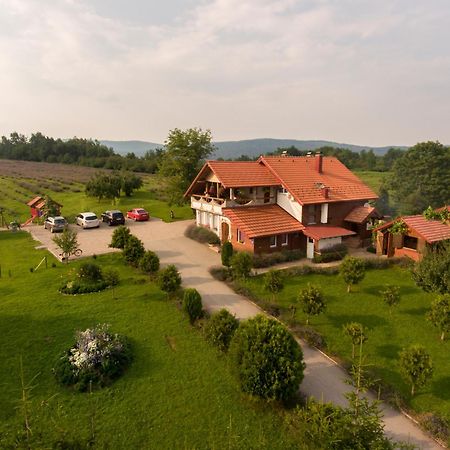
{"x":138,"y":214}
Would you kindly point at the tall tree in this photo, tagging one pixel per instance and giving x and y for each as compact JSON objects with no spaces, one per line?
{"x":420,"y":177}
{"x":185,"y":152}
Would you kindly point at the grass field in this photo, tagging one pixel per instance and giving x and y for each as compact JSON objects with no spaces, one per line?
{"x":177,"y":394}
{"x":387,"y":333}
{"x":373,"y":179}
{"x":20,"y":181}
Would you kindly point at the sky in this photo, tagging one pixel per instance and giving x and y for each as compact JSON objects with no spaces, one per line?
{"x":355,"y":71}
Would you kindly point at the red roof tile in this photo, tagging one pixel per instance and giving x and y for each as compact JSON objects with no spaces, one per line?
{"x":300,"y":177}
{"x":325,"y":232}
{"x":34,"y":201}
{"x":267,"y":220}
{"x":360,"y":213}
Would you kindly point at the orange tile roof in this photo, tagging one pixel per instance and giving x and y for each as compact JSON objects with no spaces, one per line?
{"x":429,"y":230}
{"x":300,"y":177}
{"x":324,"y":232}
{"x":360,"y":213}
{"x":34,"y":201}
{"x":258,"y":221}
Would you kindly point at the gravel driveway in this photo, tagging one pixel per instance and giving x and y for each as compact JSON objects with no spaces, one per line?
{"x":323,"y":380}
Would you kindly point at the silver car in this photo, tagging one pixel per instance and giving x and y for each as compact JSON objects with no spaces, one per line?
{"x":88,"y":220}
{"x":57,"y":223}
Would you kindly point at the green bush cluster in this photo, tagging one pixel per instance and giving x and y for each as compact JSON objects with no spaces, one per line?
{"x":201,"y":234}
{"x":220,"y":329}
{"x":169,"y":279}
{"x":149,"y":262}
{"x":334,"y":253}
{"x":133,"y":250}
{"x":192,"y":304}
{"x":88,"y":278}
{"x":270,"y":259}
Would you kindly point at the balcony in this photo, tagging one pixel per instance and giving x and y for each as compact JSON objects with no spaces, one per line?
{"x":214,"y":204}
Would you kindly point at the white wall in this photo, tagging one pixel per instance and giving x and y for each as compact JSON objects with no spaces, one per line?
{"x":290,"y":206}
{"x":324,"y":213}
{"x":325,"y":243}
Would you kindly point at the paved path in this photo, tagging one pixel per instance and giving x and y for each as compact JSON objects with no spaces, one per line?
{"x":324,"y":380}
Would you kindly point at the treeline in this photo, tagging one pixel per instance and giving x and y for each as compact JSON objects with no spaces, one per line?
{"x":83,"y":152}
{"x":364,"y":160}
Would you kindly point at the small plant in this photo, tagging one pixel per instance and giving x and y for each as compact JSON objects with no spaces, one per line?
{"x":416,"y":366}
{"x":149,"y":263}
{"x":220,"y":328}
{"x":355,"y":331}
{"x":192,"y":304}
{"x":226,"y":253}
{"x":133,"y":250}
{"x":120,"y":237}
{"x":439,"y":315}
{"x":398,"y":227}
{"x":96,"y":359}
{"x":241,"y":265}
{"x":169,"y":279}
{"x":312,"y":301}
{"x":273,"y":282}
{"x":112,"y":279}
{"x":391,"y":296}
{"x":88,"y":278}
{"x":90,"y":272}
{"x":67,"y":242}
{"x":352,"y":270}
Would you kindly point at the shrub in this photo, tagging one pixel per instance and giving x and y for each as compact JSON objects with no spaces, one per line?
{"x":220,"y":329}
{"x":241,"y":264}
{"x":111,"y":277}
{"x":133,"y":250}
{"x":220,"y":273}
{"x":192,"y":304}
{"x":312,"y":301}
{"x":90,"y":272}
{"x":270,"y":259}
{"x":120,"y":237}
{"x":97,"y":358}
{"x":273,"y":282}
{"x":88,"y":278}
{"x":201,"y":234}
{"x":149,"y":263}
{"x":333,"y":253}
{"x":226,"y":253}
{"x":267,"y":359}
{"x":169,"y":279}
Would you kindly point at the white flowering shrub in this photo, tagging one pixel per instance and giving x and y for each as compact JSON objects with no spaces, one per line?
{"x":97,"y":358}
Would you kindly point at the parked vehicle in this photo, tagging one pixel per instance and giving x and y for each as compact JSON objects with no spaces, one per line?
{"x":113,"y":217}
{"x":88,"y":220}
{"x":57,"y":223}
{"x":138,"y":214}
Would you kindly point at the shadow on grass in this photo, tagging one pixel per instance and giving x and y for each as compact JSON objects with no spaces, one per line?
{"x":368,"y":320}
{"x":416,"y":311}
{"x":377,"y":289}
{"x":389,"y":350}
{"x":441,"y":388}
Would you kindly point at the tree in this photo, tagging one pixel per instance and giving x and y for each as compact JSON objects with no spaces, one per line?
{"x":241,"y":264}
{"x":185,"y":152}
{"x":133,"y":250}
{"x":169,"y":279}
{"x":130,"y":183}
{"x":355,"y":331}
{"x":226,"y":253}
{"x":273,"y":282}
{"x":111,"y":277}
{"x":149,"y":263}
{"x":120,"y":237}
{"x":192,"y":304}
{"x":67,"y":242}
{"x":439,"y":315}
{"x":312,"y":301}
{"x":391,"y":296}
{"x":103,"y":185}
{"x":416,"y":366}
{"x":420,"y":177}
{"x":432,"y":273}
{"x":220,"y":328}
{"x":267,"y":359}
{"x":352,"y":270}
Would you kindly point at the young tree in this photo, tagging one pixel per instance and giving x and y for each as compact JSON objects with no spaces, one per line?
{"x":185,"y":152}
{"x":416,"y":366}
{"x":312,"y":301}
{"x":120,"y":237}
{"x":130,"y":183}
{"x":149,"y":263}
{"x":226,"y":253}
{"x":241,"y":264}
{"x":355,"y":331}
{"x":352,"y":270}
{"x":220,"y":329}
{"x":111,"y":277}
{"x":192,"y":304}
{"x":267,"y":359}
{"x":169,"y":279}
{"x":133,"y":250}
{"x":439,"y":315}
{"x":432,"y":273}
{"x":391,"y":296}
{"x":273,"y":282}
{"x":67,"y":242}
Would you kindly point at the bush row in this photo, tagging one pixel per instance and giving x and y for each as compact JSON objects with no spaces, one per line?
{"x":270,"y":259}
{"x":201,"y":234}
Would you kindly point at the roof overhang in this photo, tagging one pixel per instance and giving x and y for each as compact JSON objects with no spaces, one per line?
{"x":318,"y":232}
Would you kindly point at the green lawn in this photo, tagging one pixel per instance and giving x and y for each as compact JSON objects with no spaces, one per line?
{"x":373,"y":179}
{"x":387,"y":334}
{"x":14,"y":197}
{"x":178,"y":392}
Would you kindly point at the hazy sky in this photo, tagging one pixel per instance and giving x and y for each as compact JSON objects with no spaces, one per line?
{"x":357,"y":71}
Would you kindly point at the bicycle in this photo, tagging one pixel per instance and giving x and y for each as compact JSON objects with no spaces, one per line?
{"x":76,"y":252}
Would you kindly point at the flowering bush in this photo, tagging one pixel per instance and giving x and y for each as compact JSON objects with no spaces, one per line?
{"x":88,"y":278}
{"x":97,"y":358}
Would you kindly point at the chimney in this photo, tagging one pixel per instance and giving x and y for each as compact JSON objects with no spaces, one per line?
{"x":325,"y":191}
{"x":318,"y":162}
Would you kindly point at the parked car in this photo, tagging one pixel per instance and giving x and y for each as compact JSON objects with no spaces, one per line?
{"x":88,"y":220}
{"x":57,"y":223}
{"x":138,"y":214}
{"x":114,"y":217}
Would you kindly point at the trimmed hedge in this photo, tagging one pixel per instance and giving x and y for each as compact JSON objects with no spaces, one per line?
{"x":334,"y":253}
{"x":270,"y":259}
{"x":201,"y":234}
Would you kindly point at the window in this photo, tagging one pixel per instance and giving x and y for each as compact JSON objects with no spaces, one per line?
{"x":250,"y":190}
{"x":239,"y":236}
{"x":311,"y":214}
{"x":410,"y":242}
{"x":284,"y":239}
{"x":273,"y":241}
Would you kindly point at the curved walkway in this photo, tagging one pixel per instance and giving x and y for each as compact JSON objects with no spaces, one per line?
{"x":324,"y":379}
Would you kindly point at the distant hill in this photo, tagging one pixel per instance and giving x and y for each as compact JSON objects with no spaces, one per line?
{"x":250,"y":147}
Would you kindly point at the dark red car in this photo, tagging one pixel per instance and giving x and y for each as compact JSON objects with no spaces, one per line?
{"x":138,"y":214}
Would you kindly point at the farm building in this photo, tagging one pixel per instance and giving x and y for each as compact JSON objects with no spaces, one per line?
{"x":41,"y":207}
